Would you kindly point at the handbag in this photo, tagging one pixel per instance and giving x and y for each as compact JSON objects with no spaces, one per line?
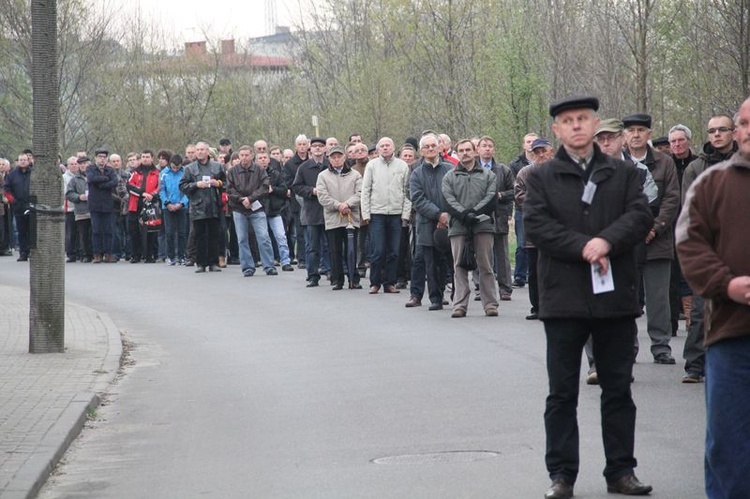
{"x":150,"y":216}
{"x":468,"y":260}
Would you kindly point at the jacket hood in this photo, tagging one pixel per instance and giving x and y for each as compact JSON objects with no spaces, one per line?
{"x":710,"y":155}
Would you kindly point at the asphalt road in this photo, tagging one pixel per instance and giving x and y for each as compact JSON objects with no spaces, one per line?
{"x":260,"y":388}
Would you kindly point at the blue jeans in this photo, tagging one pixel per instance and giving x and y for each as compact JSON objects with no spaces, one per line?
{"x":242,"y":223}
{"x":176,"y":233}
{"x":276,"y":224}
{"x":385,"y":236}
{"x":522,"y":263}
{"x":313,"y":235}
{"x":728,"y":419}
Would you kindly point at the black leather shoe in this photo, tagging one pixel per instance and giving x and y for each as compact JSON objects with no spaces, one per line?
{"x":532,"y":316}
{"x":214,"y":268}
{"x":337,"y":287}
{"x":312,"y":284}
{"x":436,"y":306}
{"x":561,"y":488}
{"x":200,"y":270}
{"x":629,"y":486}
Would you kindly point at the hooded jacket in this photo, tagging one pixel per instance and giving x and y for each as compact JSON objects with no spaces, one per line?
{"x":706,"y":159}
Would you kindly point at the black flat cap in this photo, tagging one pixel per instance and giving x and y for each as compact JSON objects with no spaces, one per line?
{"x":83,"y":159}
{"x":101,"y":151}
{"x":638,"y":119}
{"x":574,"y":102}
{"x":318,"y":140}
{"x":660,"y":141}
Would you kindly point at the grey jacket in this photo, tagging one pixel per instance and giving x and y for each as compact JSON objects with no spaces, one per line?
{"x":470,"y":192}
{"x":77,"y":186}
{"x":426,"y":192}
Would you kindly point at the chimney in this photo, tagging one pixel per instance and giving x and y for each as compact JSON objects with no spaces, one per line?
{"x":195,"y":49}
{"x":227,"y":47}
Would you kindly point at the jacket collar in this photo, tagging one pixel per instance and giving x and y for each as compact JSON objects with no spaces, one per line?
{"x":603,"y":165}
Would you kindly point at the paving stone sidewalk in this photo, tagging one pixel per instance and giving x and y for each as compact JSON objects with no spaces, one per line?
{"x":45,"y":398}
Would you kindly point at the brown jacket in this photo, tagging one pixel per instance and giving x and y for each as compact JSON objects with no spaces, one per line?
{"x":666,"y":207}
{"x":713,"y":242}
{"x":251,"y":182}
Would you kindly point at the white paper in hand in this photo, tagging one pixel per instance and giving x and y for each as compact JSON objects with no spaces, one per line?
{"x":602,"y":283}
{"x":256,"y":205}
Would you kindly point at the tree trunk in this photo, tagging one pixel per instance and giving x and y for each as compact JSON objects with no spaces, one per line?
{"x":47,"y":275}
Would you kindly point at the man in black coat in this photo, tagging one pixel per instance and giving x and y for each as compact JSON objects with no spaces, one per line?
{"x":585,"y":212}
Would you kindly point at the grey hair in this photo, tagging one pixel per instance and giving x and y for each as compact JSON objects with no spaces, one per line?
{"x":681,"y":128}
{"x":301,"y":138}
{"x":431,"y":135}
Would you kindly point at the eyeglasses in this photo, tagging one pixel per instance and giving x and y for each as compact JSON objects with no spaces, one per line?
{"x":721,"y":129}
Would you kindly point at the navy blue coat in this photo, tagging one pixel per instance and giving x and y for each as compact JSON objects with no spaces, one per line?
{"x":102,"y":184}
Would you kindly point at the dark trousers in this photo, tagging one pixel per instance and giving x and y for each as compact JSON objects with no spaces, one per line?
{"x":206,"y":241}
{"x":176,"y":233}
{"x":84,"y":237}
{"x":190,"y":250}
{"x":233,"y":246}
{"x":313,"y":235}
{"x":143,"y":242}
{"x":71,"y":236}
{"x":533,"y":257}
{"x":385,"y":237}
{"x":22,"y":226}
{"x":338,"y":244}
{"x":522,"y":264}
{"x":403,"y":269}
{"x":6,"y":229}
{"x":295,"y":237}
{"x":433,"y":265}
{"x":102,"y":228}
{"x":121,"y":241}
{"x":613,"y":349}
{"x":694,"y":352}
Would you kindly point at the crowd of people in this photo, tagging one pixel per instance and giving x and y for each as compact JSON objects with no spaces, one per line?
{"x":424,"y":217}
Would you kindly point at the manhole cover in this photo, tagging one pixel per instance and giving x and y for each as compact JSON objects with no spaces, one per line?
{"x":456,"y":456}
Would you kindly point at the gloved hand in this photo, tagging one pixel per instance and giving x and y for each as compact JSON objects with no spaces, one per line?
{"x":470,"y":219}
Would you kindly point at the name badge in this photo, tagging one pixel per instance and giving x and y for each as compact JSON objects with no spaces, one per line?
{"x":588,"y":192}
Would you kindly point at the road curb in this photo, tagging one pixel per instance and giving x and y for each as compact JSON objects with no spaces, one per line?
{"x":37,"y":468}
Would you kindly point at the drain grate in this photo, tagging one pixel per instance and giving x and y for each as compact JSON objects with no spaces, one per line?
{"x":445,"y":457}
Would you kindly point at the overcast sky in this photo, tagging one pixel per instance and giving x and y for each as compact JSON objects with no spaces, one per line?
{"x":187,"y":20}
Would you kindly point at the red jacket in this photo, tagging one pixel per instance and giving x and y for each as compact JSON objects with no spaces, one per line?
{"x":135,"y":186}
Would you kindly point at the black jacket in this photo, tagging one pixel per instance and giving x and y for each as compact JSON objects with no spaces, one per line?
{"x":204,"y":203}
{"x":505,"y":198}
{"x":276,"y":201}
{"x":560,"y":224}
{"x":304,"y":183}
{"x":102,"y":184}
{"x":290,"y":172}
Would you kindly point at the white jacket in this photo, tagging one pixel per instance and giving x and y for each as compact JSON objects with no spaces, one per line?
{"x":385,"y":188}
